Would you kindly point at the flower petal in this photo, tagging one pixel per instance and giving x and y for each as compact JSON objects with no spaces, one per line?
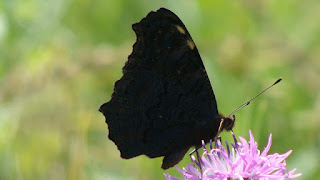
{"x":242,"y":161}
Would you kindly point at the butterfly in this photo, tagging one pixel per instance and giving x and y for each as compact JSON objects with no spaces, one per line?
{"x":164,"y":103}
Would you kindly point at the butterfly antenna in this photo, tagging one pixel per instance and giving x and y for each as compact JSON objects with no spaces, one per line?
{"x":248,"y":102}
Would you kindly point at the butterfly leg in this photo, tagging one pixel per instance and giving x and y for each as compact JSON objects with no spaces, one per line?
{"x":220,"y":126}
{"x":218,"y":138}
{"x":198,"y":163}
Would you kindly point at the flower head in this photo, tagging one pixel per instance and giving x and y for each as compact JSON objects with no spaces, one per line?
{"x":242,"y":161}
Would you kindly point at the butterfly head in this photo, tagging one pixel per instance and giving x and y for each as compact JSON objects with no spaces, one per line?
{"x":227,"y":122}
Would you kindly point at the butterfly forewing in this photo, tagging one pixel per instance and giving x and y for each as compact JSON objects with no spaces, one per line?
{"x":164,"y":102}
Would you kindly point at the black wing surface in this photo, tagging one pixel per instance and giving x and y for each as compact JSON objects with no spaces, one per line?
{"x":164,"y":96}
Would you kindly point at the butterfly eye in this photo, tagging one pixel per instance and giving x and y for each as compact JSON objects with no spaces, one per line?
{"x":228,"y":122}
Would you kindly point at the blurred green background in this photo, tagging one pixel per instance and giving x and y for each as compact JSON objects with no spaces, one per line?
{"x":60,"y":58}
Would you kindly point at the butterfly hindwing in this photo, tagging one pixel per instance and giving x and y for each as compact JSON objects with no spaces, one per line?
{"x":162,"y":104}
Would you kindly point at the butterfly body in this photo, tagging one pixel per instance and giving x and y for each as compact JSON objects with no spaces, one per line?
{"x":164,"y":103}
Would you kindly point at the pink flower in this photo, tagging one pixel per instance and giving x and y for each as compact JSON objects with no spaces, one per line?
{"x":243,"y":161}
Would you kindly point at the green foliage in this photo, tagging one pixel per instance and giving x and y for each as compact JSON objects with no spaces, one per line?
{"x":59,"y":60}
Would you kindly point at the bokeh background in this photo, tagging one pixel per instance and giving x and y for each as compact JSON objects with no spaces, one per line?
{"x":60,"y":58}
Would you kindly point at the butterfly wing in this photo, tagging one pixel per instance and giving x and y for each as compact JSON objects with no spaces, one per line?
{"x":164,"y":99}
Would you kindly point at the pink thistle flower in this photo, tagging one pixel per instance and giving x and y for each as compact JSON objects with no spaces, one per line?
{"x":242,"y":162}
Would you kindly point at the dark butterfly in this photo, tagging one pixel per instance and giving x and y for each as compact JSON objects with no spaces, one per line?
{"x":164,"y":103}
